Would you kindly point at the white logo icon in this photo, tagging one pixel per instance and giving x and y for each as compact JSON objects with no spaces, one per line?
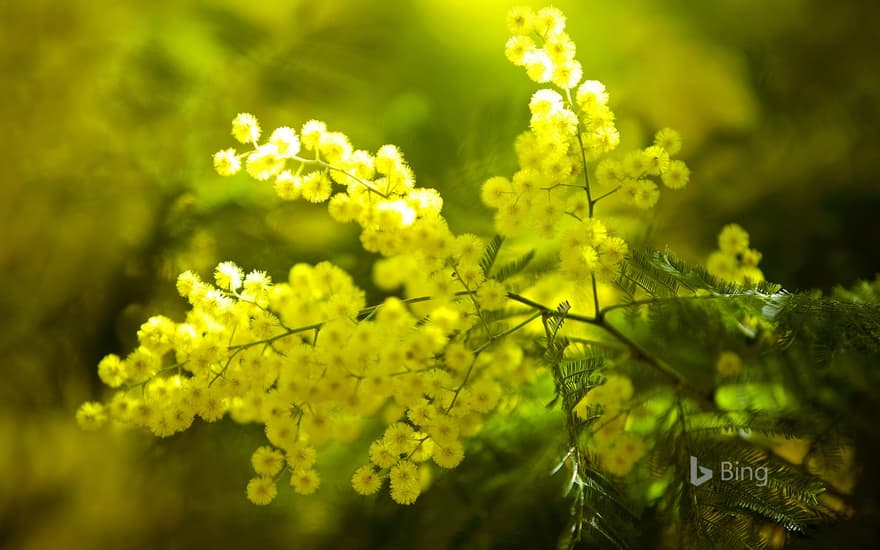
{"x":699,"y":474}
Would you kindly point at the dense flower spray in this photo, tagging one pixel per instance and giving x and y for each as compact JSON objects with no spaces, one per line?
{"x":310,"y":361}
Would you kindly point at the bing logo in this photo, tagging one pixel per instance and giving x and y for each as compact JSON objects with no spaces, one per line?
{"x":729,"y":471}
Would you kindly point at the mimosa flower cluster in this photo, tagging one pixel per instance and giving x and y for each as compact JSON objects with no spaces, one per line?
{"x":734,"y":260}
{"x":312,"y":363}
{"x":571,"y":128}
{"x":306,"y":357}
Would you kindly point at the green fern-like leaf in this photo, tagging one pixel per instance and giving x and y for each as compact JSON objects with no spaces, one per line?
{"x":491,"y":253}
{"x":516,"y":266}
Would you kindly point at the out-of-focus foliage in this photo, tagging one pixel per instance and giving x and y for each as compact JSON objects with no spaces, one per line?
{"x":111,"y":111}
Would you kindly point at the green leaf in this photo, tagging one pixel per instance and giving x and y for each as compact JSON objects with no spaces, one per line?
{"x":491,"y":253}
{"x":512,"y":268}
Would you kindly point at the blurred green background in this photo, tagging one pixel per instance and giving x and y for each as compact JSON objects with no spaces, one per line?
{"x":113,"y":109}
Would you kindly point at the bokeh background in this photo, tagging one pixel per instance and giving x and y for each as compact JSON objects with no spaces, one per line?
{"x":111,"y":111}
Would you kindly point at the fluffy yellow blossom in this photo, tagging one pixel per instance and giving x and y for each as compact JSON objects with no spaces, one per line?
{"x":285,"y":141}
{"x":301,"y":456}
{"x":311,"y":134}
{"x":676,"y":175}
{"x":111,"y":370}
{"x":405,"y":482}
{"x":307,"y":360}
{"x":91,"y":416}
{"x":228,"y":276}
{"x":265,"y":162}
{"x":366,"y":481}
{"x":549,"y":22}
{"x":492,"y":295}
{"x":226,"y":162}
{"x":399,"y":438}
{"x":305,"y":481}
{"x":609,"y":172}
{"x":267,"y":461}
{"x":520,"y":20}
{"x":668,"y":139}
{"x":245,"y":128}
{"x":613,"y":250}
{"x":591,"y":94}
{"x":728,"y":364}
{"x":733,"y":239}
{"x":517,"y":47}
{"x":449,"y":455}
{"x":621,"y":454}
{"x":261,"y":490}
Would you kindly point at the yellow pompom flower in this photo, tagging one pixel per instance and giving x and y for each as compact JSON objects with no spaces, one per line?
{"x":267,"y":461}
{"x":496,"y":192}
{"x":722,"y":265}
{"x":458,"y":357}
{"x":612,"y":251}
{"x":427,"y":202}
{"x":449,"y":455}
{"x":733,"y":239}
{"x":305,"y":482}
{"x":657,"y":160}
{"x":492,"y":295}
{"x":578,"y":262}
{"x":646,"y":194}
{"x":228,"y":276}
{"x":444,"y":430}
{"x":335,"y":147}
{"x":677,"y":175}
{"x":609,"y":172}
{"x":226,"y":162}
{"x":545,"y":102}
{"x":560,"y":48}
{"x":111,"y":371}
{"x":484,"y":395}
{"x":405,"y":482}
{"x":381,"y":456}
{"x":388,"y":159}
{"x":256,"y":285}
{"x":343,"y":208}
{"x":668,"y":139}
{"x":567,"y":74}
{"x":517,"y":47}
{"x":590,"y":95}
{"x":621,"y":454}
{"x":468,"y":248}
{"x":519,"y":20}
{"x":311,"y":134}
{"x":265,"y":162}
{"x":728,"y":364}
{"x":91,"y":416}
{"x":549,"y":22}
{"x":538,"y":66}
{"x":186,"y":282}
{"x":470,"y":274}
{"x":593,"y":231}
{"x":618,"y":388}
{"x":261,"y":490}
{"x":156,"y":334}
{"x":635,"y":164}
{"x":399,"y":438}
{"x":316,"y":187}
{"x":286,"y":141}
{"x":245,"y":128}
{"x":366,"y":481}
{"x":141,"y":364}
{"x":301,"y":456}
